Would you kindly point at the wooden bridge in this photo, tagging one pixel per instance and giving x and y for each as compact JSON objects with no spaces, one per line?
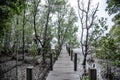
{"x":63,"y":68}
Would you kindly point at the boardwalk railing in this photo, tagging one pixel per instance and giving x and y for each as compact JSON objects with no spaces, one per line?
{"x":63,"y":68}
{"x":92,"y":72}
{"x":73,"y":57}
{"x":71,"y":54}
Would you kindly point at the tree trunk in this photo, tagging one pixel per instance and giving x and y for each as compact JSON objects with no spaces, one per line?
{"x":34,"y":16}
{"x":85,"y":13}
{"x":84,"y":60}
{"x":45,"y":37}
{"x":16,"y":47}
{"x":58,"y":36}
{"x":84,"y":63}
{"x":86,"y":51}
{"x":36,"y":36}
{"x":23,"y":57}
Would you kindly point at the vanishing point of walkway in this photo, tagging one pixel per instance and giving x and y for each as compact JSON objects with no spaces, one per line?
{"x":63,"y":68}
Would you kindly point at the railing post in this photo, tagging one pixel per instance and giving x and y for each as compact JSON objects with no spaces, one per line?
{"x":66,"y":48}
{"x":51,"y":62}
{"x":56,"y":54}
{"x":75,"y":62}
{"x":71,"y":54}
{"x":69,"y":51}
{"x":92,"y":74}
{"x":29,"y":73}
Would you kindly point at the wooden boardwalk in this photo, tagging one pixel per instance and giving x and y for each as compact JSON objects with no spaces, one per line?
{"x":63,"y":68}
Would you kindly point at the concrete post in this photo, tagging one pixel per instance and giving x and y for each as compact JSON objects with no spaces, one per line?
{"x":69,"y":51}
{"x":51,"y":62}
{"x":92,"y":74}
{"x":56,"y":53}
{"x":29,"y":73}
{"x":75,"y":62}
{"x":71,"y":55}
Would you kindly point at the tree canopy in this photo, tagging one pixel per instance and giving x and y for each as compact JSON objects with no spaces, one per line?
{"x":113,"y":6}
{"x":8,"y":8}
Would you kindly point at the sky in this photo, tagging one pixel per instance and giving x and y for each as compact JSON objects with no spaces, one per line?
{"x":101,"y":12}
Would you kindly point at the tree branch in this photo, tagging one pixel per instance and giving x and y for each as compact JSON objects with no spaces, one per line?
{"x":93,"y":16}
{"x":88,"y":8}
{"x":83,"y":10}
{"x":34,"y":15}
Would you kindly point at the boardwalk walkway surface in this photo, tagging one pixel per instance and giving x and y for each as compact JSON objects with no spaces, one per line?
{"x":63,"y":68}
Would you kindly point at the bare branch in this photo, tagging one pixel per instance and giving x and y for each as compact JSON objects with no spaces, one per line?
{"x":81,"y":17}
{"x":88,"y":8}
{"x":81,"y":39}
{"x":34,"y":15}
{"x":93,"y":16}
{"x":82,"y":46}
{"x":36,"y":7}
{"x":83,"y":10}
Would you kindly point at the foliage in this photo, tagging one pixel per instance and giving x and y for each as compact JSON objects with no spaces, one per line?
{"x":113,"y":6}
{"x":115,"y":33}
{"x":106,"y":46}
{"x":65,"y":27}
{"x":22,"y":17}
{"x":98,"y":31}
{"x":33,"y":49}
{"x":109,"y":50}
{"x":85,"y":78}
{"x":8,"y":9}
